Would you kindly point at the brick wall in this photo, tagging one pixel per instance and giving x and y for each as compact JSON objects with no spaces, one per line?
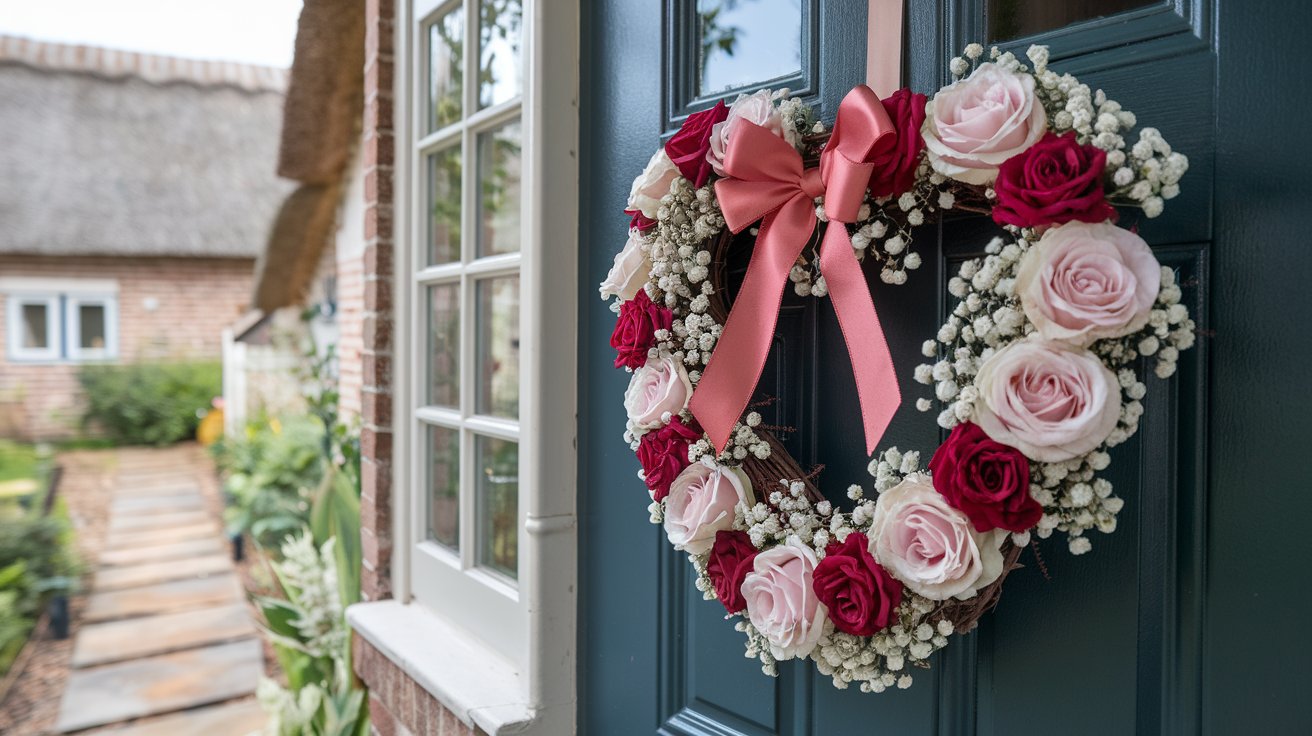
{"x":399,"y":706}
{"x":377,"y":148}
{"x":193,"y":300}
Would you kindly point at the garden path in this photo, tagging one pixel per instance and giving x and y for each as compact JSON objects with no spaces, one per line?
{"x":167,"y":643}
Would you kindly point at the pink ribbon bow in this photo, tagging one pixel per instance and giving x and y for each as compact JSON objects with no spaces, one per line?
{"x":767,"y":181}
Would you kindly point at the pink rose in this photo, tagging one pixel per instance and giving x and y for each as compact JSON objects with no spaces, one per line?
{"x":657,"y":389}
{"x":931,"y":546}
{"x":781,"y":602}
{"x":1083,"y":282}
{"x":755,"y":108}
{"x":701,"y":502}
{"x":652,"y":184}
{"x":1050,"y":400}
{"x":629,"y":272}
{"x":973,"y":125}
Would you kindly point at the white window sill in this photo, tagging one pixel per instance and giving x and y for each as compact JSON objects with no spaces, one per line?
{"x":476,"y":684}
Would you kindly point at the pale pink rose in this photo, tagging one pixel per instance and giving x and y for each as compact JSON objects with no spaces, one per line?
{"x":781,"y":602}
{"x":973,"y":125}
{"x":658,"y":388}
{"x":930,"y":546}
{"x":755,"y":108}
{"x":629,"y":272}
{"x":1083,"y":282}
{"x":1050,"y":400}
{"x":652,"y":184}
{"x":701,"y":502}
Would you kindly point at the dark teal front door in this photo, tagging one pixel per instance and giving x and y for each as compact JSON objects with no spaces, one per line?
{"x":1191,"y":618}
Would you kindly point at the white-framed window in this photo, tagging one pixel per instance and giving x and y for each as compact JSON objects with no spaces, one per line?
{"x":60,"y":320}
{"x":485,"y":364}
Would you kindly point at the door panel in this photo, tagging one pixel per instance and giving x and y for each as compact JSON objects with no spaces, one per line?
{"x":1103,"y":643}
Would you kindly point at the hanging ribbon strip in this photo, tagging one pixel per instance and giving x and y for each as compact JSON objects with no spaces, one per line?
{"x":767,"y":181}
{"x":884,"y":46}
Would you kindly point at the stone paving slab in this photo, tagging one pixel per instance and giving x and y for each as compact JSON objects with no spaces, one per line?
{"x":160,"y":552}
{"x":174,"y":595}
{"x":135,"y":522}
{"x":238,"y":718}
{"x":161,"y":489}
{"x":157,"y":504}
{"x":156,"y":537}
{"x":159,"y":634}
{"x":128,"y":576}
{"x":162,"y":684}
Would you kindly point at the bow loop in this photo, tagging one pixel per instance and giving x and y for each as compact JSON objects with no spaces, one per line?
{"x":863,"y":130}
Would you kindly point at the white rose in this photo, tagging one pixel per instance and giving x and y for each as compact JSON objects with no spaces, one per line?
{"x":973,"y":125}
{"x":659,"y":387}
{"x":1050,"y":400}
{"x":755,"y":108}
{"x":930,"y":546}
{"x":630,"y":271}
{"x":701,"y":502}
{"x":652,"y":184}
{"x":781,"y":602}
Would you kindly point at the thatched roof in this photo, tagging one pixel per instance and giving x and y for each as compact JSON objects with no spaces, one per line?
{"x":321,"y":126}
{"x":116,"y":153}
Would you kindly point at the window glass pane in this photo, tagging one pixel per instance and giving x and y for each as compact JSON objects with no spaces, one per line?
{"x":36,"y":326}
{"x":743,"y":42}
{"x":444,"y":345}
{"x":498,"y":347}
{"x":498,"y":504}
{"x":1015,"y":18}
{"x":500,"y":28}
{"x":446,"y":44}
{"x":444,"y":486}
{"x":91,"y":325}
{"x":444,"y":198}
{"x":498,"y":190}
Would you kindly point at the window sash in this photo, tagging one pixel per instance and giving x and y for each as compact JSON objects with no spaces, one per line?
{"x":482,"y":600}
{"x":73,"y":304}
{"x":16,"y":328}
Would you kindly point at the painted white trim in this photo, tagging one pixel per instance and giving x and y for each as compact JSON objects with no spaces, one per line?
{"x":12,"y":284}
{"x":73,"y":327}
{"x":14,"y":350}
{"x":544,"y":665}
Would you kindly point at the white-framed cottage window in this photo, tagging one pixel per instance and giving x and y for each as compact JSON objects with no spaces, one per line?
{"x":484,"y":567}
{"x":60,"y":320}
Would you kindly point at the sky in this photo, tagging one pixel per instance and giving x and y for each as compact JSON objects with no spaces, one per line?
{"x":250,"y":31}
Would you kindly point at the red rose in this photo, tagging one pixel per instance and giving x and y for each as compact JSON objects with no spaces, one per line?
{"x":987,"y":481}
{"x":1054,"y":181}
{"x":639,"y":221}
{"x":663,"y":454}
{"x":895,"y":163}
{"x":861,"y":596}
{"x":730,"y":561}
{"x":687,"y":149}
{"x":635,"y":331}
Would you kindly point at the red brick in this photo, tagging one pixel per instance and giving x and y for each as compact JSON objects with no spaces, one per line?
{"x":378,"y":294}
{"x":376,"y":409}
{"x":380,"y":718}
{"x":378,"y":259}
{"x":378,"y":372}
{"x":377,"y":334}
{"x":376,"y":443}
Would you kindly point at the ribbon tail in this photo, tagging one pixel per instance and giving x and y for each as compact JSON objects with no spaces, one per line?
{"x":727,"y":384}
{"x":872,"y":362}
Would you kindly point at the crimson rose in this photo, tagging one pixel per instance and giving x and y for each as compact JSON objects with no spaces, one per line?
{"x":1054,"y":181}
{"x":663,"y":454}
{"x":895,"y":163}
{"x":986,"y":480}
{"x":687,"y":149}
{"x":635,"y":331}
{"x":639,"y":221}
{"x":861,"y":596}
{"x":730,"y":560}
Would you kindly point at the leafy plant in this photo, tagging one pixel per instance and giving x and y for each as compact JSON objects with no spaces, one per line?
{"x":270,"y":477}
{"x":149,"y":403}
{"x":319,"y":576}
{"x":36,"y":560}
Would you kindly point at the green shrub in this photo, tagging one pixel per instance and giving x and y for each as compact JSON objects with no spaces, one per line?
{"x":36,"y":559}
{"x":150,"y":403}
{"x":270,"y":476}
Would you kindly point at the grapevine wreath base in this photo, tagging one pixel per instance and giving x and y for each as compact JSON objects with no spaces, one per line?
{"x":1036,"y":373}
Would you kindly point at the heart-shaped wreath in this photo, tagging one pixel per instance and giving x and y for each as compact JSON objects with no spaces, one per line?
{"x":1036,"y":369}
